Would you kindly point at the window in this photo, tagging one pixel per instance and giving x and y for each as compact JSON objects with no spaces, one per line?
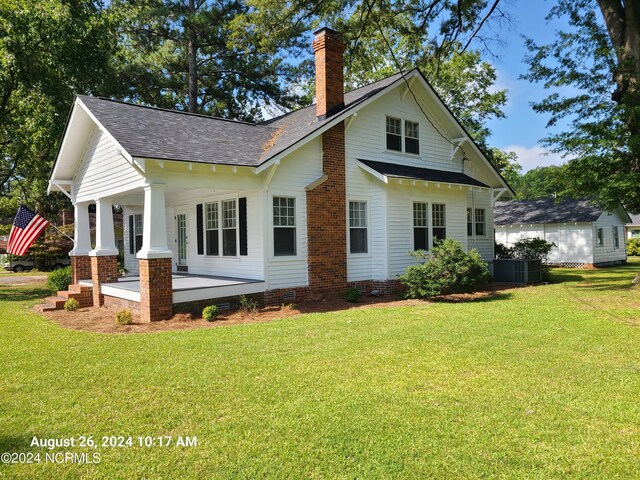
{"x":635,"y":233}
{"x":481,"y":222}
{"x":394,"y":134}
{"x":137,"y":231}
{"x":229,"y":247}
{"x":469,"y":222}
{"x":420,"y":227}
{"x":358,"y":227}
{"x":284,"y":226}
{"x":616,"y":238}
{"x":411,"y":137}
{"x":438,"y":221}
{"x":599,"y":237}
{"x":212,"y":238}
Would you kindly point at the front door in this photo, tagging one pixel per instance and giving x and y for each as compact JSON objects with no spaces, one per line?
{"x":181,"y":240}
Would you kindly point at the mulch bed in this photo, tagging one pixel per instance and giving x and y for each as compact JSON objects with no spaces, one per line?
{"x":102,"y":319}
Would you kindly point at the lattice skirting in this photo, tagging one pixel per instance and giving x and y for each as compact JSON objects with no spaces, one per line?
{"x":573,"y":265}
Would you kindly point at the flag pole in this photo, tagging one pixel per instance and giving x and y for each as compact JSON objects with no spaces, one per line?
{"x":62,"y":233}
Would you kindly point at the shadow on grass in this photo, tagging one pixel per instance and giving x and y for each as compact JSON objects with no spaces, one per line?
{"x":471,"y":298}
{"x":23,"y":294}
{"x":16,"y":443}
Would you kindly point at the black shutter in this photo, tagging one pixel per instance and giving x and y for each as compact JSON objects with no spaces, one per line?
{"x":243,"y":225}
{"x":131,"y":236}
{"x":199,"y":229}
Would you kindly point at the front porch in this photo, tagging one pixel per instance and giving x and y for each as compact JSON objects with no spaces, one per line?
{"x":185,"y":287}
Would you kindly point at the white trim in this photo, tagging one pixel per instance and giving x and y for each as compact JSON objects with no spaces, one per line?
{"x":367,"y":202}
{"x":378,"y":175}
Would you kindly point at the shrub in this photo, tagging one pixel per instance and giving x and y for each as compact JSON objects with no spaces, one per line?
{"x":123,"y":317}
{"x":633,"y":247}
{"x":247,"y":304}
{"x":447,"y":269}
{"x":502,"y":251}
{"x":532,"y":249}
{"x":352,"y":295}
{"x":71,"y":305}
{"x":60,"y":279}
{"x":210,"y":313}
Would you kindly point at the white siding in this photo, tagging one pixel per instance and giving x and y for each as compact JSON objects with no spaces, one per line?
{"x":295,"y":172}
{"x":103,"y":171}
{"x":608,"y":253}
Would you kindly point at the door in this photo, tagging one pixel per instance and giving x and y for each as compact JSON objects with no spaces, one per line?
{"x":181,"y":240}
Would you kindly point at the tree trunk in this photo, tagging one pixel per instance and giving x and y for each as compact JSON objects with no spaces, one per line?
{"x":192,"y":52}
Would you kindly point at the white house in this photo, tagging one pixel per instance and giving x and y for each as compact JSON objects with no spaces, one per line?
{"x":632,"y":229}
{"x":584,"y":234}
{"x":302,"y":205}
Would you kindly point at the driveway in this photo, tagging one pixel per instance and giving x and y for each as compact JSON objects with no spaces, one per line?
{"x":9,"y":279}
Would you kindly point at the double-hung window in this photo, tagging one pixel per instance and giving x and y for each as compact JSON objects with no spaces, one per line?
{"x":481,"y":222}
{"x":394,"y":134}
{"x":212,"y":238}
{"x":411,"y":137}
{"x":137,"y":231}
{"x":358,"y":227}
{"x":284,"y":226}
{"x":616,"y":238}
{"x":420,"y":227}
{"x":438,"y":221}
{"x":229,"y":232}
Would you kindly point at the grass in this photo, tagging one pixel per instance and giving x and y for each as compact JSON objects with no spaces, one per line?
{"x":538,"y":382}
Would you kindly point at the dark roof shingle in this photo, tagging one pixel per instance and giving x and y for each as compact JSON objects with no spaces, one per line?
{"x":536,"y":212}
{"x":417,"y":173}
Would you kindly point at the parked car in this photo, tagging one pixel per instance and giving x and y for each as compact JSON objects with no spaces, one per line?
{"x":24,"y":264}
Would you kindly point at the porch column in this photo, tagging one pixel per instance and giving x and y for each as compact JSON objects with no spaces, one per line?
{"x":80,"y":260}
{"x":155,"y":258}
{"x":104,"y":257}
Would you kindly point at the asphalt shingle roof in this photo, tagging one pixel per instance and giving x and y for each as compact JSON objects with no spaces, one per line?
{"x":173,"y":135}
{"x":417,"y":173}
{"x":535,"y":212}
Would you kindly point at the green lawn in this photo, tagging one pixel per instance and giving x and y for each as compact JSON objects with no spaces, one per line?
{"x":540,"y":382}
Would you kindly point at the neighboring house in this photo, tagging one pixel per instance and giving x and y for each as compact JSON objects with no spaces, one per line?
{"x":299,"y":206}
{"x":632,"y":229}
{"x":584,"y":234}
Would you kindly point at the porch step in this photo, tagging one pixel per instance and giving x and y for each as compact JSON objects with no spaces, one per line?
{"x":54,"y":303}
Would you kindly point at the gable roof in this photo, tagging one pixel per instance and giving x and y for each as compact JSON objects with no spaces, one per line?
{"x":417,"y":173}
{"x":634,"y":219}
{"x":535,"y":212}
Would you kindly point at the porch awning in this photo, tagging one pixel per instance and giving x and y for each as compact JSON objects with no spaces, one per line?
{"x":384,"y":171}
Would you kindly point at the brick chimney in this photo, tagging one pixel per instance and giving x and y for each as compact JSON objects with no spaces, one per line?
{"x":329,"y":50}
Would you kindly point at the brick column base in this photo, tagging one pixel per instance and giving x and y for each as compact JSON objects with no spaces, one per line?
{"x":156,"y":289}
{"x":80,"y":268}
{"x":103,"y":270}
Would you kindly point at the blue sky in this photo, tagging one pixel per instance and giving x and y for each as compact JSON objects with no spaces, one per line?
{"x":523,"y":128}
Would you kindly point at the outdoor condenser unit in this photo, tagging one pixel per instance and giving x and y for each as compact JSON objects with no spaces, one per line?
{"x":517,"y":271}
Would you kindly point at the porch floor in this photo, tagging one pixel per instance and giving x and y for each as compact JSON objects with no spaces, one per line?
{"x":186,"y":287}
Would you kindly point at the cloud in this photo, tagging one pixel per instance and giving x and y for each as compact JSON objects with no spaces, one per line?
{"x":536,"y":156}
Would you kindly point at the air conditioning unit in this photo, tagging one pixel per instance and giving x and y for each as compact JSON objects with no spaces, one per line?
{"x":517,"y":271}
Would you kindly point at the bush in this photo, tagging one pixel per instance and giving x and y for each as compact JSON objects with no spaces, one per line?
{"x":352,"y":295}
{"x":502,"y":251}
{"x":633,"y":247}
{"x":71,"y":305}
{"x":447,"y":269}
{"x":60,"y":279}
{"x":123,"y":317}
{"x":210,"y":313}
{"x":532,"y":249}
{"x":247,"y":304}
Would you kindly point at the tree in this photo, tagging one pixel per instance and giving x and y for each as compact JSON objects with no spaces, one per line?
{"x":599,"y":58}
{"x":49,"y":49}
{"x":544,"y":182}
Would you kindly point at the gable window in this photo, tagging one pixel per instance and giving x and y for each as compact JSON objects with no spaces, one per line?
{"x":358,"y":227}
{"x":616,"y":238}
{"x":229,"y":236}
{"x":438,"y":221}
{"x":420,"y":227}
{"x":211,"y":229}
{"x":469,"y":222}
{"x":599,"y":237}
{"x":481,"y":222}
{"x":284,"y":226}
{"x":394,"y":134}
{"x":411,"y":137}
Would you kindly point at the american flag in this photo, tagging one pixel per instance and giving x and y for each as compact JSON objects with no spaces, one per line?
{"x":27,"y":227}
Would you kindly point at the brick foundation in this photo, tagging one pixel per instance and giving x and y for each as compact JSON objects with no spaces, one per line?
{"x":116,"y":303}
{"x":283,"y":296}
{"x":80,"y":268}
{"x":197,"y":306}
{"x":103,"y":270}
{"x":156,"y":293}
{"x":384,"y":287}
{"x":326,"y":221}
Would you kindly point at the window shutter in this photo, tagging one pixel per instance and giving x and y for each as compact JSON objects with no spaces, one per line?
{"x":242,"y":214}
{"x":132,"y":240}
{"x":199,"y":229}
